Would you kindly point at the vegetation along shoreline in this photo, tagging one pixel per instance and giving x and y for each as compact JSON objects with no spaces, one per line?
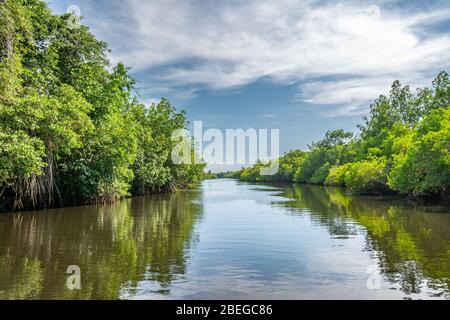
{"x":401,"y":148}
{"x":72,"y":129}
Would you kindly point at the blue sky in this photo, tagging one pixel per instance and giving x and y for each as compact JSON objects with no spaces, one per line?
{"x":301,"y":66}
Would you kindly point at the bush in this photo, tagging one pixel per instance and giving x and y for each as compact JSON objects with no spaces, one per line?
{"x":367,"y":177}
{"x":321,"y":174}
{"x":313,"y":162}
{"x":424,"y":167}
{"x":336,"y":176}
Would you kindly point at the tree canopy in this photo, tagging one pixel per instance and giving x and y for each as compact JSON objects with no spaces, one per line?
{"x":403,"y":146}
{"x":71,"y":128}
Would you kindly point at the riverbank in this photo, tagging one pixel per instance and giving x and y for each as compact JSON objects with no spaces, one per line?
{"x":99,"y":203}
{"x":392,"y":153}
{"x":425,"y":200}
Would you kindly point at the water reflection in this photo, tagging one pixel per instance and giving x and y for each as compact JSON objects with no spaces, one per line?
{"x":229,"y":240}
{"x":114,"y":246}
{"x":411,"y":244}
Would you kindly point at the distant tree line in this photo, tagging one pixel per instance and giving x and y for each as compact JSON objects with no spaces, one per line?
{"x":402,"y":147}
{"x":71,"y":128}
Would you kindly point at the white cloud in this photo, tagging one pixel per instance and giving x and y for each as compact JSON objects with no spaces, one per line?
{"x":232,"y":43}
{"x":353,"y":96}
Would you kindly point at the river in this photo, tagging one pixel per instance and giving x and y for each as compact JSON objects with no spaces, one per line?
{"x":229,"y":240}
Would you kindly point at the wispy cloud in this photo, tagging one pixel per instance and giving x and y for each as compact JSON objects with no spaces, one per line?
{"x":219,"y":45}
{"x":352,"y":96}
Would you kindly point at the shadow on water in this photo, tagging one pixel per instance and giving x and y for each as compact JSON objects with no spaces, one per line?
{"x":115,"y":247}
{"x":411,"y":243}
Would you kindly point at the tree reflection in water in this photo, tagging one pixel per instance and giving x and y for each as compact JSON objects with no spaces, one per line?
{"x":115,"y":247}
{"x":411,"y":244}
{"x":141,"y":247}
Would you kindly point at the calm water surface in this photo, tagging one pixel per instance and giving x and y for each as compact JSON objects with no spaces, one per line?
{"x":230,"y":240}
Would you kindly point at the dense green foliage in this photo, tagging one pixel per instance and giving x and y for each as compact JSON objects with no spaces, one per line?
{"x":287,"y":165}
{"x":71,"y":128}
{"x":210,"y":175}
{"x":403,"y":146}
{"x":228,"y":175}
